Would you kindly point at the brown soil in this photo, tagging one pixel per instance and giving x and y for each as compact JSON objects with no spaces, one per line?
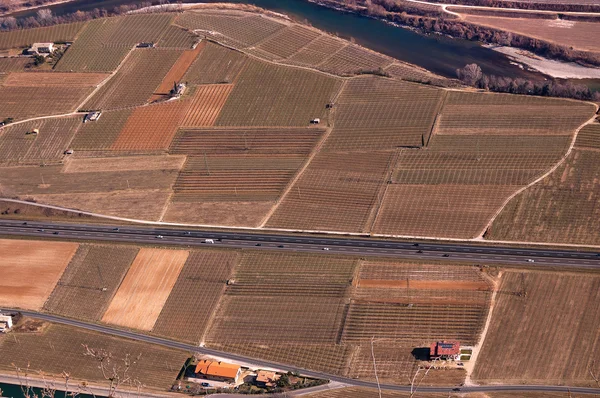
{"x":129,"y":163}
{"x":145,"y":289}
{"x":432,"y":285}
{"x":30,"y":269}
{"x":241,"y":214}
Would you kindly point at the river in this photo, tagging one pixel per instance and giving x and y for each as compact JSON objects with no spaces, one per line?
{"x":441,"y":55}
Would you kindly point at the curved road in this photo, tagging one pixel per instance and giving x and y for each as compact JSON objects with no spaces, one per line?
{"x":301,"y":243}
{"x":239,"y":358}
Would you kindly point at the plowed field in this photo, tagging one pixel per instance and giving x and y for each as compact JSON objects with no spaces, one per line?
{"x":206,"y":105}
{"x":30,"y":269}
{"x":216,"y":65}
{"x":151,"y":127}
{"x":48,"y":79}
{"x":26,"y":102}
{"x":177,"y":71}
{"x":26,"y":37}
{"x":140,"y":298}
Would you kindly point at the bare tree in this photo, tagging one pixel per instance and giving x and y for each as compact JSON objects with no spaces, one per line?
{"x":117,"y":372}
{"x":595,"y":373}
{"x":45,"y":14}
{"x":470,"y":74}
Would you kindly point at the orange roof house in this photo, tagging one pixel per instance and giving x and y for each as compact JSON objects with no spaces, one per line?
{"x":267,"y":378}
{"x":218,"y":370}
{"x":444,"y":349}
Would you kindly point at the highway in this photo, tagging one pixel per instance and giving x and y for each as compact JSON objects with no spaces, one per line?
{"x":348,"y":245}
{"x":266,"y":364}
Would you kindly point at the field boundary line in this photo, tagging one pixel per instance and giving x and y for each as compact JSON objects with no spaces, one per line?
{"x":540,"y":178}
{"x":316,"y":150}
{"x":382,"y":191}
{"x":477,"y":347}
{"x":108,"y":78}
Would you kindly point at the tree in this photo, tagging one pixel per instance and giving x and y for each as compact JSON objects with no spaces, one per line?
{"x":470,"y":75}
{"x":284,"y":381}
{"x":45,"y":14}
{"x":38,"y":59}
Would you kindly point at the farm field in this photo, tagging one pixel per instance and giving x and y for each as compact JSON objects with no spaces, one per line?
{"x":188,"y":310}
{"x":206,"y":105}
{"x":26,"y":102}
{"x":319,"y":200}
{"x":30,"y":269}
{"x":374,"y":113}
{"x":17,"y":146}
{"x":317,"y":51}
{"x":353,"y":59}
{"x":156,"y":370}
{"x":177,"y":71}
{"x":237,"y":29}
{"x":311,"y":289}
{"x":8,"y":65}
{"x":235,"y":177}
{"x":216,"y":65}
{"x":579,"y":35}
{"x":530,"y":321}
{"x":26,"y":37}
{"x":140,"y":298}
{"x":288,"y":41}
{"x":589,"y":137}
{"x":292,"y":98}
{"x":473,"y":163}
{"x":176,"y":37}
{"x":101,"y":134}
{"x":126,"y":163}
{"x":410,"y":73}
{"x":151,"y":128}
{"x":80,"y":292}
{"x":134,"y":83}
{"x":562,"y":208}
{"x":104,"y":43}
{"x":54,"y":79}
{"x":248,"y":141}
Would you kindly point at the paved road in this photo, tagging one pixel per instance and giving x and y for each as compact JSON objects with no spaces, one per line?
{"x":266,"y":364}
{"x":296,"y":243}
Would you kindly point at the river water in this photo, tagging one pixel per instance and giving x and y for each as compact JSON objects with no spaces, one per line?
{"x":441,"y":55}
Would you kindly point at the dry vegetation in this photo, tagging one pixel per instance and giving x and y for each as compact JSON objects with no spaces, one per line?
{"x":64,"y":349}
{"x":562,"y":208}
{"x":104,"y":43}
{"x":145,"y":289}
{"x":18,"y":146}
{"x":188,"y":310}
{"x":238,"y":29}
{"x":90,"y":281}
{"x":26,"y":37}
{"x":293,"y":97}
{"x":580,"y":35}
{"x":548,"y":335}
{"x":29,"y":270}
{"x":137,"y":79}
{"x":215,"y":65}
{"x":238,"y":214}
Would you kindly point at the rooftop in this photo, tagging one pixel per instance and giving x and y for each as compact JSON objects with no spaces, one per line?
{"x":219,"y":369}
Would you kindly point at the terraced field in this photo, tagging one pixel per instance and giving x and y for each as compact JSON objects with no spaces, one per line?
{"x":292,"y":98}
{"x":90,"y":281}
{"x":19,"y":146}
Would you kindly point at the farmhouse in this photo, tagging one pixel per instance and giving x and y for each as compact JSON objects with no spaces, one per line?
{"x":444,"y":350}
{"x":5,"y":323}
{"x":265,"y":378}
{"x":219,"y":371}
{"x":41,"y":48}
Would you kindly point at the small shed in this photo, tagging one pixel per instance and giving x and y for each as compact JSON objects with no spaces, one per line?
{"x":5,"y":323}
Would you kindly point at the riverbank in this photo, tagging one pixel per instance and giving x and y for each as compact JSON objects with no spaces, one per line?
{"x":35,"y":7}
{"x":550,"y":67}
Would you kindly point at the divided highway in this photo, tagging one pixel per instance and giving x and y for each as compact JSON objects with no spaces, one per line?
{"x":297,"y":243}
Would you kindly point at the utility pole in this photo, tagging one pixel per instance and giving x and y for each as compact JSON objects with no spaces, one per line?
{"x":206,"y":163}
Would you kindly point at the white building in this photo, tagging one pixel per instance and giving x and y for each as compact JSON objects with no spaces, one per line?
{"x":5,"y":323}
{"x":41,"y":48}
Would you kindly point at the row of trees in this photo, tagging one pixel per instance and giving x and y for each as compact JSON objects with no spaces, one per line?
{"x":44,"y":17}
{"x":525,"y":5}
{"x":472,"y":75}
{"x":429,"y":20}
